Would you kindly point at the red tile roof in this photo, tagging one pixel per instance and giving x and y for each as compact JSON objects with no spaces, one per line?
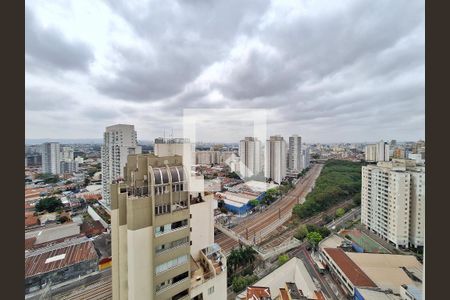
{"x":258,"y":292}
{"x":350,"y":269}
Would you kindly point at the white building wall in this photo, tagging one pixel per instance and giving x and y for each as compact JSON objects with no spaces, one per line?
{"x":275,"y":166}
{"x":118,"y":142}
{"x":393,"y":202}
{"x":214,"y":288}
{"x":250,"y":153}
{"x":417,"y":224}
{"x":295,"y":154}
{"x":51,"y":158}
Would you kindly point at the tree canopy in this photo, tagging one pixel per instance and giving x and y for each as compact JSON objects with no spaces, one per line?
{"x":340,"y":212}
{"x":49,"y":204}
{"x":338,"y":181}
{"x":314,"y":238}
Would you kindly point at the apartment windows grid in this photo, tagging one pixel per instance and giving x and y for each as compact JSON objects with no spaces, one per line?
{"x":171,"y":264}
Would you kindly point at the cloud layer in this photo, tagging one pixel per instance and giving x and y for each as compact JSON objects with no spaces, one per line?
{"x":329,"y":71}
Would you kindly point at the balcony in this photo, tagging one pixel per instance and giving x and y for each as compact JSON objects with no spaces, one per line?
{"x":212,"y":263}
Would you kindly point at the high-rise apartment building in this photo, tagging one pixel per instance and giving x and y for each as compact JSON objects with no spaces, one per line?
{"x":67,"y":153}
{"x":275,"y":166}
{"x":377,"y":152}
{"x":51,"y":158}
{"x":399,"y":153}
{"x":207,"y":157}
{"x":250,"y":153}
{"x":118,"y":142}
{"x":295,"y":153}
{"x":306,"y":158}
{"x":393,"y":201}
{"x":162,"y":235}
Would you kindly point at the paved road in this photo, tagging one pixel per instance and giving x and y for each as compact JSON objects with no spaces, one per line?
{"x":304,"y":255}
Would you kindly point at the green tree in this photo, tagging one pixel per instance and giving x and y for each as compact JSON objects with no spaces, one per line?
{"x":239,"y":283}
{"x":340,"y":212}
{"x":49,"y":204}
{"x":283,"y":259}
{"x":301,"y":232}
{"x":253,"y":202}
{"x":314,"y":238}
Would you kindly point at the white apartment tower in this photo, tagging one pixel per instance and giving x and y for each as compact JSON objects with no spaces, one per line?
{"x":51,"y":158}
{"x":118,"y":142}
{"x":306,"y":158}
{"x":377,"y":152}
{"x":393,"y":201}
{"x":295,"y":153}
{"x":275,"y":166}
{"x":67,"y":153}
{"x":250,"y":153}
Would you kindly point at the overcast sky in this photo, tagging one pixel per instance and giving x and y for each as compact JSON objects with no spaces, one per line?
{"x":329,"y":71}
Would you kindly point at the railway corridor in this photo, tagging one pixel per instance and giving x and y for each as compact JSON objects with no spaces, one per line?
{"x":252,"y":227}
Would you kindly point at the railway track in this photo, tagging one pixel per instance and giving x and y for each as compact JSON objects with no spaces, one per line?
{"x":252,"y":226}
{"x":283,"y":234}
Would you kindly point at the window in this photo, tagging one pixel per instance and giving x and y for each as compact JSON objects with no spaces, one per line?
{"x":211,"y":290}
{"x":171,"y":264}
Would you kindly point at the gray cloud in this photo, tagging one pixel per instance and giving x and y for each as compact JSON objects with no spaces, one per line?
{"x":50,"y":50}
{"x":346,"y":71}
{"x":45,"y":99}
{"x":181,"y":39}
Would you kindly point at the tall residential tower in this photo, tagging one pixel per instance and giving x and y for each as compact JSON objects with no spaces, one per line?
{"x":162,"y":235}
{"x":275,"y":166}
{"x":393,"y":201}
{"x":295,"y":153}
{"x":51,"y":158}
{"x":250,"y":153}
{"x":118,"y":142}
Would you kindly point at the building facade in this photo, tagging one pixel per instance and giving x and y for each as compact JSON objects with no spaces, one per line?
{"x":393,"y":201}
{"x":295,"y":153}
{"x":151,"y":221}
{"x":276,"y":153}
{"x":250,"y":153}
{"x":118,"y":142}
{"x":377,"y":152}
{"x":306,"y":158}
{"x":51,"y":158}
{"x":207,"y":157}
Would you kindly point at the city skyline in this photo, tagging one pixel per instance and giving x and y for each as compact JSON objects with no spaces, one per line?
{"x":91,"y":65}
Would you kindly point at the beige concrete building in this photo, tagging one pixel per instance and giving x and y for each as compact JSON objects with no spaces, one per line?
{"x":152,"y":219}
{"x":207,"y":157}
{"x":393,"y":201}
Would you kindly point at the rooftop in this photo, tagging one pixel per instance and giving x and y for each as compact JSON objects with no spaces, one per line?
{"x":349,"y":267}
{"x":54,"y":233}
{"x":58,"y":256}
{"x":294,"y":271}
{"x":258,"y":293}
{"x":333,"y":241}
{"x":386,"y":270}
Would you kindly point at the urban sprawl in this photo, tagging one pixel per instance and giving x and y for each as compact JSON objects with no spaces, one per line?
{"x":257,"y":219}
